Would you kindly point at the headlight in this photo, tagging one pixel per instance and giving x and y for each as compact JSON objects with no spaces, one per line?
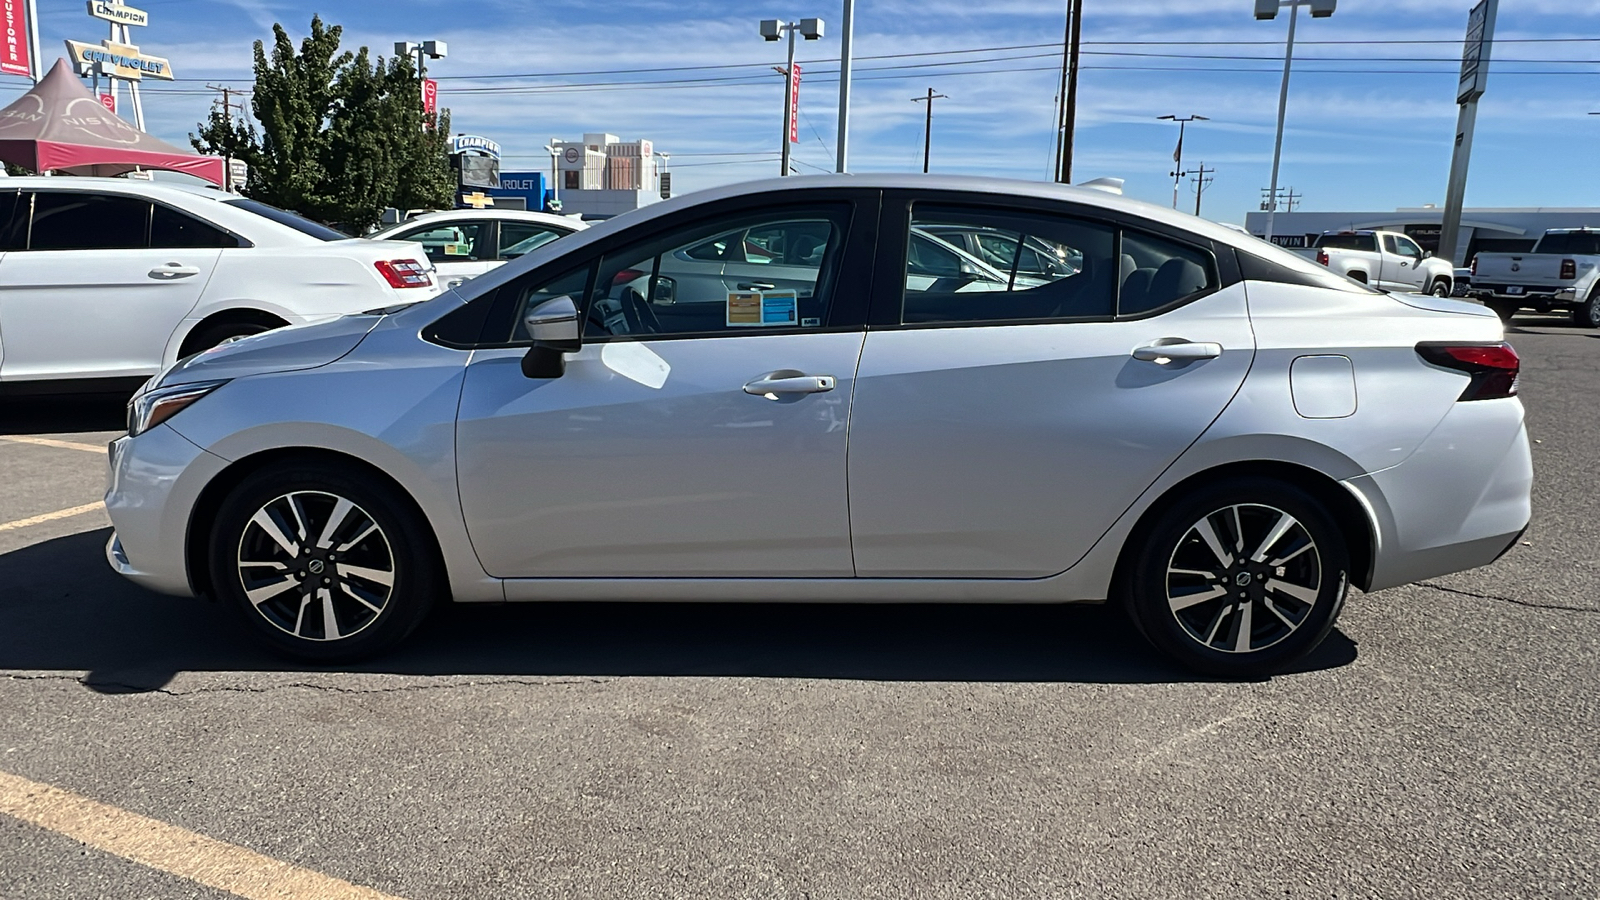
{"x":150,"y":408}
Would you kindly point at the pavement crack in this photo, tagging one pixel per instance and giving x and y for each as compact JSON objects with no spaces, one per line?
{"x":1528,"y":603}
{"x":108,"y":685}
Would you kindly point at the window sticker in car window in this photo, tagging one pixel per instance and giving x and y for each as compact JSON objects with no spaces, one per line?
{"x":757,"y":309}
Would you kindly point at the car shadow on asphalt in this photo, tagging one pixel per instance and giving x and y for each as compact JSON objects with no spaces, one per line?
{"x":64,"y":414}
{"x":63,"y":609}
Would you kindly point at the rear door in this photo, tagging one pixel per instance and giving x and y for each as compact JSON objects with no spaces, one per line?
{"x":89,"y":296}
{"x":998,"y":434}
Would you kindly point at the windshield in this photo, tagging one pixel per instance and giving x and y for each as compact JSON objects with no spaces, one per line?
{"x":293,"y":220}
{"x":1577,"y":243}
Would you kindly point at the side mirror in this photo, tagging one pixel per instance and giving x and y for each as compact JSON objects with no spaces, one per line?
{"x":1427,"y":254}
{"x":554,"y":327}
{"x":664,"y":290}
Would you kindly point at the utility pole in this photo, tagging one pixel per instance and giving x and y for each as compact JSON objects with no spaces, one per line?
{"x":1177,"y":155}
{"x":1069,"y":91}
{"x":1202,"y":180}
{"x":927,"y":128}
{"x":1291,"y":199}
{"x":227,"y":113}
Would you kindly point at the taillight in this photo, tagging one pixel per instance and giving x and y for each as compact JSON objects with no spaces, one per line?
{"x":1569,"y":269}
{"x":1474,"y":263}
{"x":1493,"y":367}
{"x":625,"y":276}
{"x":404,"y":273}
{"x":1322,"y":257}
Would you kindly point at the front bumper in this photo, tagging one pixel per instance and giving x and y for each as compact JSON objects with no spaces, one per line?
{"x":152,"y":486}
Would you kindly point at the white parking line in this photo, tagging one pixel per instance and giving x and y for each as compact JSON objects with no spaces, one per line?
{"x":52,"y":516}
{"x":52,"y":442}
{"x":168,"y":848}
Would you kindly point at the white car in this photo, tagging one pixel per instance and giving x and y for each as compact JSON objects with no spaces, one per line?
{"x":103,"y":281}
{"x":1387,"y":260}
{"x":463,"y":243}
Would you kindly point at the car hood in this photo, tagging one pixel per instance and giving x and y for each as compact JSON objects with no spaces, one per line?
{"x":280,"y":350}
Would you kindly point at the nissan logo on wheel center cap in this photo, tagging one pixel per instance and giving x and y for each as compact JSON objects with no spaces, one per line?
{"x":1241,"y":579}
{"x":315,"y":567}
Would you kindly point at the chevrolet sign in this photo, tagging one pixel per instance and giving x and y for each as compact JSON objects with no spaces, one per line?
{"x":123,"y":61}
{"x":116,"y":12}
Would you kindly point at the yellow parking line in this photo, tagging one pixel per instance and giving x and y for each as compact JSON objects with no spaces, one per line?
{"x":52,"y":516}
{"x":168,"y":848}
{"x":52,"y":442}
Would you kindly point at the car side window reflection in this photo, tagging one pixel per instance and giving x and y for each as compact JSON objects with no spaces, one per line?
{"x":986,"y":265}
{"x":751,"y":272}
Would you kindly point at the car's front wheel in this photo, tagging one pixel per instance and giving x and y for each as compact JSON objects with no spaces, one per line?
{"x":1441,"y":288}
{"x":1240,"y":578}
{"x":325,"y":563}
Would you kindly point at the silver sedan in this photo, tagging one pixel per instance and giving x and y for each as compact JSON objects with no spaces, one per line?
{"x":1216,"y":435}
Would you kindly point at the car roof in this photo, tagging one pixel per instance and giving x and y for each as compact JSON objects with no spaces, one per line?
{"x":510,"y":215}
{"x":147,"y":188}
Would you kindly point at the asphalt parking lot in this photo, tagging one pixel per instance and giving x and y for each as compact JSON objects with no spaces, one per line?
{"x":1442,"y":743}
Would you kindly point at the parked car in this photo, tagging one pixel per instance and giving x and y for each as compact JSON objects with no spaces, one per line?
{"x":1384,"y":259}
{"x":463,"y":243}
{"x":1562,"y":271}
{"x":1197,"y":459}
{"x":105,"y":280}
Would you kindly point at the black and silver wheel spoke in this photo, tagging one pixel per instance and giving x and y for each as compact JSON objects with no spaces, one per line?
{"x":1243,"y":578}
{"x":316,"y":565}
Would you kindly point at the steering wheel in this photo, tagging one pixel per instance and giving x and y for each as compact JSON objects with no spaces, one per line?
{"x":641,"y":318}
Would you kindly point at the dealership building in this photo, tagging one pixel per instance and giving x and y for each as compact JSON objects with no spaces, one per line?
{"x":1507,"y":230}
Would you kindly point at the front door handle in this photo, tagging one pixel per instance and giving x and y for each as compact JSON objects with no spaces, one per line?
{"x":774,"y":385}
{"x":756,"y":286}
{"x":173,"y":270}
{"x":1177,"y":352}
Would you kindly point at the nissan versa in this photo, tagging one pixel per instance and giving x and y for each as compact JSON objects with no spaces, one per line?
{"x":789,"y":390}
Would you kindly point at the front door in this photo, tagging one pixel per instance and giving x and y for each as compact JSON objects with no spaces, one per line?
{"x":999,"y":434}
{"x":697,"y":445}
{"x":90,"y":297}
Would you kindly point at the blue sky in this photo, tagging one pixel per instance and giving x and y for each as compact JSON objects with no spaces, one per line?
{"x":1369,"y":124}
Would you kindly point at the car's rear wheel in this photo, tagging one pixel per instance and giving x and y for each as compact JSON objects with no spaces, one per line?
{"x":1240,"y":578}
{"x":324,"y":563}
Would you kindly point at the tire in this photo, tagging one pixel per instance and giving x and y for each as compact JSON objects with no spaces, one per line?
{"x":272,"y":580}
{"x":1441,"y":288}
{"x":1502,"y":309}
{"x":1587,"y":313}
{"x":1189,"y":597}
{"x":212,"y":335}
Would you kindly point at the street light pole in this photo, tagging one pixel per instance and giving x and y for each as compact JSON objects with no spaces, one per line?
{"x":1177,"y":155}
{"x":843,"y":136}
{"x":772,"y":29}
{"x":1268,"y":9}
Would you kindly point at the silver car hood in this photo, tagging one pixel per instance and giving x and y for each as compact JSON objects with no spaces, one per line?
{"x":280,"y":350}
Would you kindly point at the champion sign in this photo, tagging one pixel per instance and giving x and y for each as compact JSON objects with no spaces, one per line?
{"x":116,"y":12}
{"x":14,"y":52}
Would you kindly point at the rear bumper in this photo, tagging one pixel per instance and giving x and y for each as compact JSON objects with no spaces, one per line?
{"x":1485,"y":291}
{"x":1460,"y":502}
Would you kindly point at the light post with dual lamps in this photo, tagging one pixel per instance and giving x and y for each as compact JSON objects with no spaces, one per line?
{"x":1266,"y":10}
{"x":423,"y":51}
{"x":772,"y":30}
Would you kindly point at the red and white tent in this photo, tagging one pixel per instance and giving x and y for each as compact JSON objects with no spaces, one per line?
{"x":59,"y":126}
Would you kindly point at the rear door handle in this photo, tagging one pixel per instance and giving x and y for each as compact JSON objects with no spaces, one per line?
{"x":756,"y":286}
{"x":1177,"y":352}
{"x":173,"y":270}
{"x":773,"y":385}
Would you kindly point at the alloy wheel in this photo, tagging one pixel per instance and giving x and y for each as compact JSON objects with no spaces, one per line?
{"x":316,"y":566}
{"x":1244,"y":578}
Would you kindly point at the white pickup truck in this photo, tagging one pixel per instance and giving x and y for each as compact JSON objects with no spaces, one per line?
{"x":1562,"y":271}
{"x":1386,"y":260}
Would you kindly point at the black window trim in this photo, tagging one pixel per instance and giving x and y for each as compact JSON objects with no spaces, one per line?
{"x":149,"y":222}
{"x":859,"y":250}
{"x":888,"y":297}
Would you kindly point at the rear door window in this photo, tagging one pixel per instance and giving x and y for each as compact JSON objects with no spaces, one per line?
{"x":79,"y":220}
{"x":172,"y":229}
{"x":1157,"y":272}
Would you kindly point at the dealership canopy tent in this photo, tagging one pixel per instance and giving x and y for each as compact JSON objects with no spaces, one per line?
{"x":59,"y":126}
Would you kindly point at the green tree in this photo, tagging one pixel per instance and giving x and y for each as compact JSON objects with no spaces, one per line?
{"x":341,"y":136}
